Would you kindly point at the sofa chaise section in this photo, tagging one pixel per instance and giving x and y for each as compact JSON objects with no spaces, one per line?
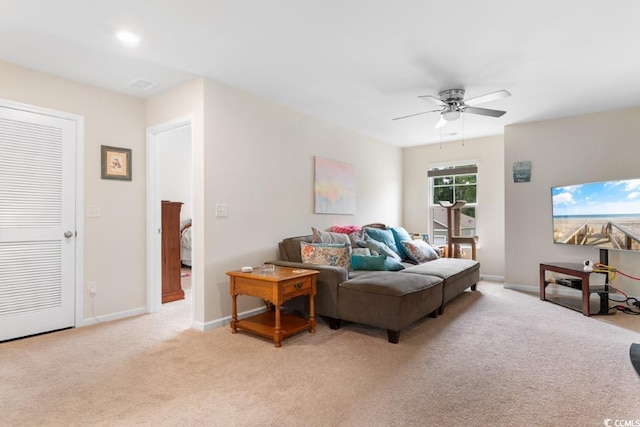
{"x":387,"y":300}
{"x":458,"y":274}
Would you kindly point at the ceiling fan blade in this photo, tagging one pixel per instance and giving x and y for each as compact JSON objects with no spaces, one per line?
{"x":488,"y":97}
{"x":416,"y":114}
{"x":484,"y":111}
{"x":440,"y":123}
{"x":433,"y":99}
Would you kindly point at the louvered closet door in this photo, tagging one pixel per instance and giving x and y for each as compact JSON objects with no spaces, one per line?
{"x":37,"y":208}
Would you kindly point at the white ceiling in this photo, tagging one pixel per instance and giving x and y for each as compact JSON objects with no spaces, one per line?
{"x":356,"y":63}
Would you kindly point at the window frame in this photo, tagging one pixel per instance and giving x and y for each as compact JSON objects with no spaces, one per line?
{"x":465,"y":167}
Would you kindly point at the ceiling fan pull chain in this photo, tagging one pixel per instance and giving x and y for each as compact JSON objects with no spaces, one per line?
{"x":463,"y":130}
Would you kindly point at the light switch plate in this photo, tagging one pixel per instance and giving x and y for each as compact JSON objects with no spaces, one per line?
{"x":93,"y":211}
{"x":221,"y":209}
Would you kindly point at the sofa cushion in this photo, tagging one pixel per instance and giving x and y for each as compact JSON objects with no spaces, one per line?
{"x":389,"y":283}
{"x":338,"y":255}
{"x":419,"y":251}
{"x":445,"y":268}
{"x":384,"y":236}
{"x":290,"y":248}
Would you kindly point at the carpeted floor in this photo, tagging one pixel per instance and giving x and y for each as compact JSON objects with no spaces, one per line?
{"x":496,"y":357}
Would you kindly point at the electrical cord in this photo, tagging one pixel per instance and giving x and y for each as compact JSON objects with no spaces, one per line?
{"x":632,"y":304}
{"x":92,"y":311}
{"x":603,"y":268}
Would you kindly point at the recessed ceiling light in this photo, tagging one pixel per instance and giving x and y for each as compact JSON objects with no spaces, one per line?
{"x":127,"y":37}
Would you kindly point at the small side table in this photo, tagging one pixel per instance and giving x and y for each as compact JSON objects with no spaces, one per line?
{"x":275,"y":288}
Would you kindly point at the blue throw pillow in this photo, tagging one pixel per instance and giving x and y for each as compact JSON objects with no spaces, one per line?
{"x":378,"y":247}
{"x":384,"y":236}
{"x":392,"y":263}
{"x":401,"y":235}
{"x":370,"y":262}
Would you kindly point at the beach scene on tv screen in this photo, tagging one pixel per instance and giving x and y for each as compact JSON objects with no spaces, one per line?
{"x":601,"y":214}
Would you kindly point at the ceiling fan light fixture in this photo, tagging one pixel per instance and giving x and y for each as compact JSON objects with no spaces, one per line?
{"x":451,"y":115}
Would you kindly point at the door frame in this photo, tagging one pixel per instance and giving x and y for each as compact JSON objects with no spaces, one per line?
{"x":79,"y":196}
{"x":154,"y":221}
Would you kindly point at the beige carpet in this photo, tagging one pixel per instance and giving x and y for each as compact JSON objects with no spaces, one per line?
{"x":496,"y":357}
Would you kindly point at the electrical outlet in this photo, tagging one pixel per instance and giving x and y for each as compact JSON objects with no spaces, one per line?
{"x":92,"y":288}
{"x":221,"y":210}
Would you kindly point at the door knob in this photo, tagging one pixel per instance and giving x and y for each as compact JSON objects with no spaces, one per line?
{"x":68,"y":234}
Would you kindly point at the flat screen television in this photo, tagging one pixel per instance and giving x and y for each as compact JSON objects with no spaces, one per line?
{"x":604,"y":215}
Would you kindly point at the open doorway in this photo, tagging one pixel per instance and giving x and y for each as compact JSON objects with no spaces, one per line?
{"x":170,"y":178}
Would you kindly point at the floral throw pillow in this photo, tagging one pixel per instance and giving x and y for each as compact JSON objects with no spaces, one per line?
{"x":420,"y":251}
{"x":338,"y":255}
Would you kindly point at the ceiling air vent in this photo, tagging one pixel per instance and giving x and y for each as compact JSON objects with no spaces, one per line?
{"x":141,"y":84}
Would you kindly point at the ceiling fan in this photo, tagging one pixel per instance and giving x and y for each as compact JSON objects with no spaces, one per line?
{"x":453,"y":104}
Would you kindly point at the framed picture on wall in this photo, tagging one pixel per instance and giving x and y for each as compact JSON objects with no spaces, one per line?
{"x":116,"y":163}
{"x":334,"y":187}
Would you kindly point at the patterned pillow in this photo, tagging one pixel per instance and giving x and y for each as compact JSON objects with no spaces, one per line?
{"x":384,"y":236}
{"x":338,"y":255}
{"x":392,"y":262}
{"x":420,"y":251}
{"x":378,"y":247}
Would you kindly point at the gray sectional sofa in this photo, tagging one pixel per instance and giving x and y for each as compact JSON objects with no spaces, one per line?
{"x":391,"y":300}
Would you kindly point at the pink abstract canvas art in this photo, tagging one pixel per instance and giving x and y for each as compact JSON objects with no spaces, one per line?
{"x":335,"y":187}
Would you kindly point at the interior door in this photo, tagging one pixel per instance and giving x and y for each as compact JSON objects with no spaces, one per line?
{"x":37,"y":222}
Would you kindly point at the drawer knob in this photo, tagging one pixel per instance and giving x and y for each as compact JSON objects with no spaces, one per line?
{"x":298,"y":286}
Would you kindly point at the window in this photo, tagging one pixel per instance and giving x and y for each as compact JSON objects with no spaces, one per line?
{"x":451,"y":184}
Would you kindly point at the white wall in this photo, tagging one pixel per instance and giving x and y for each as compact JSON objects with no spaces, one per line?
{"x":254,"y":155}
{"x":174,"y":158}
{"x":594,"y":147}
{"x":257,"y":157}
{"x":186,"y":103}
{"x":489,"y":153}
{"x":259,"y":161}
{"x":114,"y":243}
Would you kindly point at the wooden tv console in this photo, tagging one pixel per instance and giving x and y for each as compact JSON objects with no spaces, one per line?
{"x":575,"y":270}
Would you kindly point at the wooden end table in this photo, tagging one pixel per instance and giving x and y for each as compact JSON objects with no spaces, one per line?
{"x":275,"y":288}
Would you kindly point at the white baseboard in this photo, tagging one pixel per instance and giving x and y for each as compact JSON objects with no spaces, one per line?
{"x":491,"y":278}
{"x":521,"y":287}
{"x":224,"y":321}
{"x":112,"y":316}
{"x":551,"y":290}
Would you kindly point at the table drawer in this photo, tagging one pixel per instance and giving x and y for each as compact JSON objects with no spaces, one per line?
{"x":300,"y":286}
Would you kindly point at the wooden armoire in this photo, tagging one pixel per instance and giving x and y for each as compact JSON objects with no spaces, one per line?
{"x":171,"y":263}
